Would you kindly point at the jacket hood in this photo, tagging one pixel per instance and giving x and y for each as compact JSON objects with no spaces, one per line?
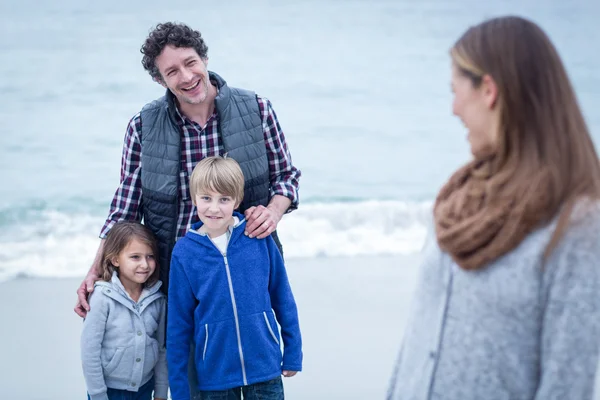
{"x":240,"y":221}
{"x":119,"y":293}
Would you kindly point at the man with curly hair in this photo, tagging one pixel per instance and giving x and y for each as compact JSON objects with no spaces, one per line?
{"x":199,"y":116}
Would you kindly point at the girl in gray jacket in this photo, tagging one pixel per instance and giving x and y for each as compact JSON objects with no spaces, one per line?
{"x":122,"y":342}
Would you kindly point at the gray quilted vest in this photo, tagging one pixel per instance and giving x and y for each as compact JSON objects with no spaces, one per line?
{"x":240,"y":127}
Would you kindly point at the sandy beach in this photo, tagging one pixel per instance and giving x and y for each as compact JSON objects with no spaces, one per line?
{"x":352,"y":314}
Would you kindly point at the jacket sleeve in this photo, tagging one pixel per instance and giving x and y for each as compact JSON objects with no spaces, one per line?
{"x":180,"y":328}
{"x":571,"y":327}
{"x":161,"y":377}
{"x":283,"y":175}
{"x":92,"y":335}
{"x":127,"y":201}
{"x":284,"y":305}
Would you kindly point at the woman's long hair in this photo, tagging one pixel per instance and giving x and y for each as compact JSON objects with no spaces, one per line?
{"x":543,"y":136}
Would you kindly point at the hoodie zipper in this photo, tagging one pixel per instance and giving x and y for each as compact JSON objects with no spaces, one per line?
{"x":237,"y":322}
{"x":233,"y":304}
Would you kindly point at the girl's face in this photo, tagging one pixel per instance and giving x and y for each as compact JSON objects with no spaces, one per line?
{"x":475,"y":106}
{"x":135,"y":263}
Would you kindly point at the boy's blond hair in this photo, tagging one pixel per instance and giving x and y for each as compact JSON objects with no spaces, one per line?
{"x":219,"y":174}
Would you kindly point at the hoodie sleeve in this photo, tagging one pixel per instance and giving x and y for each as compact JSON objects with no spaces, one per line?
{"x":284,"y":305}
{"x":92,"y":335}
{"x":180,"y":328}
{"x":161,"y":378}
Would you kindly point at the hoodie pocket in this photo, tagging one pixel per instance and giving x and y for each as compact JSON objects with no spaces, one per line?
{"x":270,"y":328}
{"x":205,"y":341}
{"x":260,"y":344}
{"x":217,"y":354}
{"x":111,"y":365}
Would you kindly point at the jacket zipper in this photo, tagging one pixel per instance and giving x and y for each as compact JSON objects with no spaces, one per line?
{"x":233,"y":304}
{"x":237,"y":322}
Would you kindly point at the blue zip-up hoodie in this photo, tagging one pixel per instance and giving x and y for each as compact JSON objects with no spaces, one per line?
{"x":225,"y":303}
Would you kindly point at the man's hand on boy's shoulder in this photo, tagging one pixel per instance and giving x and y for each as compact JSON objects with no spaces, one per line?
{"x":261,"y":221}
{"x":289,"y":374}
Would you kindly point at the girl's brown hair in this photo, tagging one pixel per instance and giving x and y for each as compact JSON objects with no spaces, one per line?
{"x":120,"y":235}
{"x":543,"y":136}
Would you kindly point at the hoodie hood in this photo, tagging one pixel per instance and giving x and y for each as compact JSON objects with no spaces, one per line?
{"x":119,"y":293}
{"x":238,"y":220}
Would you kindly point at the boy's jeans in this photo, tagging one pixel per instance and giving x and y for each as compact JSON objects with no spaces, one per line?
{"x":145,"y":393}
{"x":269,"y":390}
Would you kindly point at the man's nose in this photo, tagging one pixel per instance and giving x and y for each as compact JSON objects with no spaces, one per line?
{"x":187,"y":75}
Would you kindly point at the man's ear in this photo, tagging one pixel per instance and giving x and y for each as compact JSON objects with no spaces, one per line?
{"x":489,"y":90}
{"x":160,"y":81}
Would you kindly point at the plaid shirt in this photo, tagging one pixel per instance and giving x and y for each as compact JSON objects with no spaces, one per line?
{"x":196,"y":144}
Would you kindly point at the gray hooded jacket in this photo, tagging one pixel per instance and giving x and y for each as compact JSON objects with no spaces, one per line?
{"x":123,"y":342}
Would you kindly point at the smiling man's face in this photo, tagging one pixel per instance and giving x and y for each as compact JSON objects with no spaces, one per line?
{"x":184,"y":73}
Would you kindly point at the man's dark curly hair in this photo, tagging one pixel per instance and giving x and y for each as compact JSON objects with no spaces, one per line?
{"x":174,"y":34}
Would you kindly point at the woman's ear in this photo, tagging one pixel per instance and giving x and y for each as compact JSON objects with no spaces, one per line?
{"x":489,"y":91}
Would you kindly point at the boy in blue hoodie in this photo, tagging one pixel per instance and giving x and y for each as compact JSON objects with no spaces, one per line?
{"x":223,"y":289}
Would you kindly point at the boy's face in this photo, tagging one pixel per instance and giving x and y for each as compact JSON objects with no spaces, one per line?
{"x":215,"y":210}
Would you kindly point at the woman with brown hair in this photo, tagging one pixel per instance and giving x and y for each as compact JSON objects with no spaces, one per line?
{"x":508,"y":300}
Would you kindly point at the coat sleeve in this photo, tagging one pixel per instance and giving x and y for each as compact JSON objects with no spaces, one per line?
{"x":161,"y":377}
{"x":180,"y":328}
{"x":127,"y":201}
{"x":570,"y":337}
{"x":284,"y":305}
{"x":92,"y":335}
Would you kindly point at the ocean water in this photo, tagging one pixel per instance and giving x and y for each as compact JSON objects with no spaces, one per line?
{"x":361,"y":89}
